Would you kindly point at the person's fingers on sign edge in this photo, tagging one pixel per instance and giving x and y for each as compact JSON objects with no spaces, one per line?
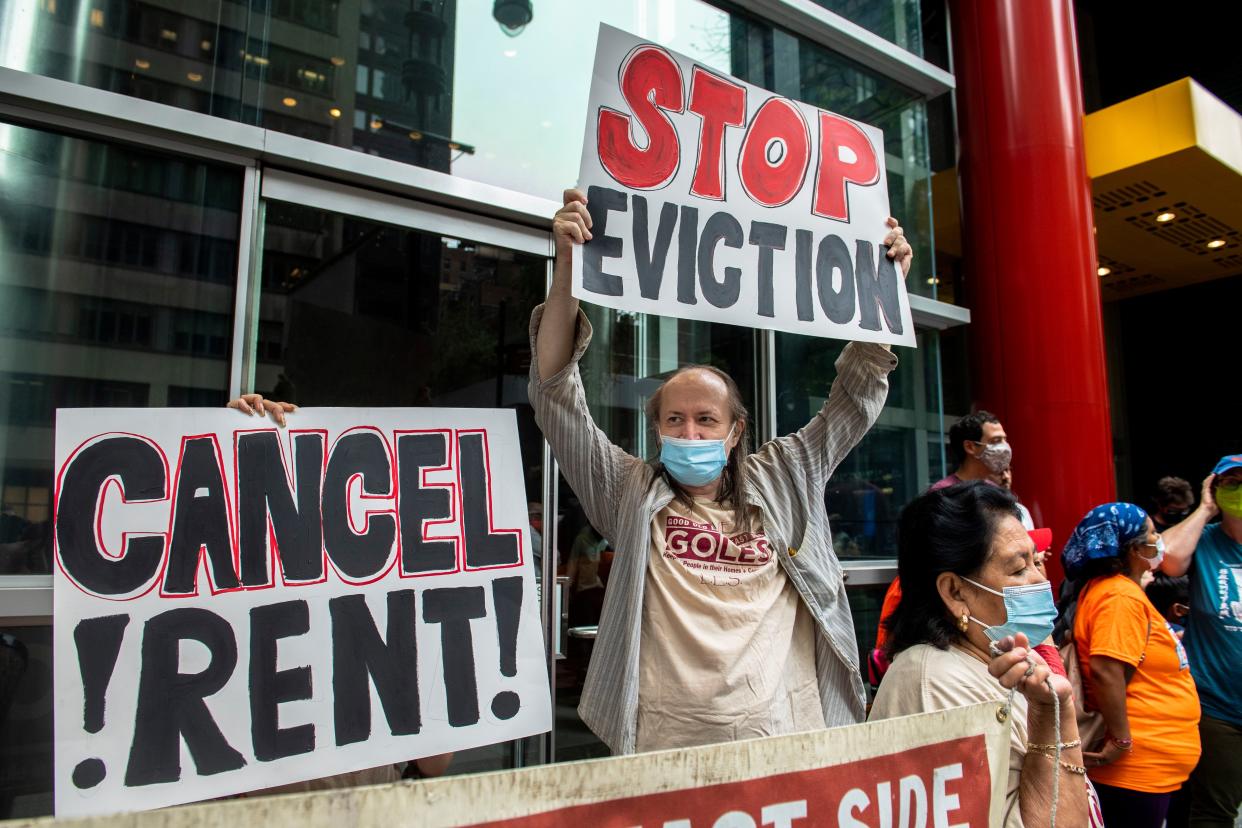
{"x":241,"y":405}
{"x":276,"y":410}
{"x":251,"y":404}
{"x":573,"y":194}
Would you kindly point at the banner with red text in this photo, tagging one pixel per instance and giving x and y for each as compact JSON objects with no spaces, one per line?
{"x":240,"y":606}
{"x":927,"y":771}
{"x":716,"y":200}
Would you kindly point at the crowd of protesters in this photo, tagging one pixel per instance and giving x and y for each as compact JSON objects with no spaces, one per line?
{"x":1122,"y":700}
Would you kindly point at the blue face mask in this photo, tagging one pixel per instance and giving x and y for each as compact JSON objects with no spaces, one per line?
{"x":1029,"y":609}
{"x":694,"y":462}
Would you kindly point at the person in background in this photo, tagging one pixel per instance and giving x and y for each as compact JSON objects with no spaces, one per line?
{"x":1171,"y":502}
{"x":1134,"y":670}
{"x":1171,"y":598}
{"x":1211,"y":554}
{"x":969,"y":582}
{"x":979,"y":448}
{"x":1005,"y":481}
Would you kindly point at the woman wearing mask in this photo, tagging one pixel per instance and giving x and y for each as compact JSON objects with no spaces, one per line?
{"x":1134,"y":669}
{"x":971,"y":604}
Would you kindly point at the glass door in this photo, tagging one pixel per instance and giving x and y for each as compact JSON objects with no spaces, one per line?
{"x":365,"y":299}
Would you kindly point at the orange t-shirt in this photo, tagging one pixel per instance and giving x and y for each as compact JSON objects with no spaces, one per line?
{"x":891,"y":599}
{"x":1113,"y":619}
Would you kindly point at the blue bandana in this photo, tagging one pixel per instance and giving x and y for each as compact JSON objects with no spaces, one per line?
{"x":1103,"y":533}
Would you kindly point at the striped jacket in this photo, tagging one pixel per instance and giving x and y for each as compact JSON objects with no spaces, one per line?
{"x":785,"y":478}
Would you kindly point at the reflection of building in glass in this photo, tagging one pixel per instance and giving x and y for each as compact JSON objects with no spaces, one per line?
{"x":375,"y":75}
{"x":354,"y":312}
{"x":118,"y":283}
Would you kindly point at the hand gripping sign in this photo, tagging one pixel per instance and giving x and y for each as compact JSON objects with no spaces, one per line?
{"x":239,"y":607}
{"x":716,"y":200}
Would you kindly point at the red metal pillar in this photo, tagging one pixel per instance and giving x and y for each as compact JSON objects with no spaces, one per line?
{"x":1030,"y":263}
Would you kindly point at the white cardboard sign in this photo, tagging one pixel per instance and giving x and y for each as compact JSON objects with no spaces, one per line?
{"x":716,"y":200}
{"x":240,"y":606}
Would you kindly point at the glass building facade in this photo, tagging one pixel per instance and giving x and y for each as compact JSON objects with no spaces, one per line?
{"x":203,"y":198}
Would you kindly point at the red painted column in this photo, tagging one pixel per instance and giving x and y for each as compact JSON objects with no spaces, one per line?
{"x":1036,"y":333}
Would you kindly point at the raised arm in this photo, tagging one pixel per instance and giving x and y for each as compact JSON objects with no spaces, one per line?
{"x":1180,"y":540}
{"x":572,"y":223}
{"x":560,"y":333}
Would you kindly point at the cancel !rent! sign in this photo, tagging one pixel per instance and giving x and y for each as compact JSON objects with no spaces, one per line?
{"x":716,"y":200}
{"x":239,"y":607}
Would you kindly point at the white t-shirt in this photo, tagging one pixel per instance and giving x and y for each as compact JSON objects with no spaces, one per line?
{"x":727,"y":649}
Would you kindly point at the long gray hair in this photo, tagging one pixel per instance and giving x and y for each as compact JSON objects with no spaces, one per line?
{"x":732,"y":487}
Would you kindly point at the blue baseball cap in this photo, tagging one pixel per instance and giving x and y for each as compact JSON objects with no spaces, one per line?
{"x":1229,"y":461}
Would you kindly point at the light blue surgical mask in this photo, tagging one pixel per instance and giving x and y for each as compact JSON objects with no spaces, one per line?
{"x":1029,"y":609}
{"x":694,"y":462}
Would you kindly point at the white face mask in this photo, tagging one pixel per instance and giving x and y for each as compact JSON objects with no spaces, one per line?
{"x":996,"y":456}
{"x":1154,"y":563}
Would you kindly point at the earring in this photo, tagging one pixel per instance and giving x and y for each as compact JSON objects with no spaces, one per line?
{"x":964,"y":622}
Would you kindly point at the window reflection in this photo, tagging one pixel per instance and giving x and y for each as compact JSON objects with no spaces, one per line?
{"x":117,"y":271}
{"x":897,"y":21}
{"x":25,"y":722}
{"x":891,"y":464}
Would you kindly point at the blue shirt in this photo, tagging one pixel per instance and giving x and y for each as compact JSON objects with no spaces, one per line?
{"x":1214,"y":626}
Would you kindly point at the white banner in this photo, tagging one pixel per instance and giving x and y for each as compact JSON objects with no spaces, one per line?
{"x":240,"y":606}
{"x":716,"y":200}
{"x":925,"y":771}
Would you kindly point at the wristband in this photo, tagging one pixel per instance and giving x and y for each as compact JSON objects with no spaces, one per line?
{"x":1062,"y":745}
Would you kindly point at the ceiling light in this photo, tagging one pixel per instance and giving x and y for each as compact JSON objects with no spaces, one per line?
{"x":142,"y":64}
{"x":1103,"y":271}
{"x":1165,"y":216}
{"x":1215,"y":243}
{"x":335,"y":112}
{"x":933,"y":280}
{"x":415,"y":135}
{"x":194,"y":76}
{"x":168,"y":34}
{"x":338,"y":61}
{"x":97,"y":18}
{"x":205,"y":45}
{"x":289,"y":101}
{"x":377,"y":123}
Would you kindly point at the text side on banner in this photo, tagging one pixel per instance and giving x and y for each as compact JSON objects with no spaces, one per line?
{"x":716,"y":200}
{"x":240,"y":606}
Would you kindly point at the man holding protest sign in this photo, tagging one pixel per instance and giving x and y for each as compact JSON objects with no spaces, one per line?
{"x":726,"y":615}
